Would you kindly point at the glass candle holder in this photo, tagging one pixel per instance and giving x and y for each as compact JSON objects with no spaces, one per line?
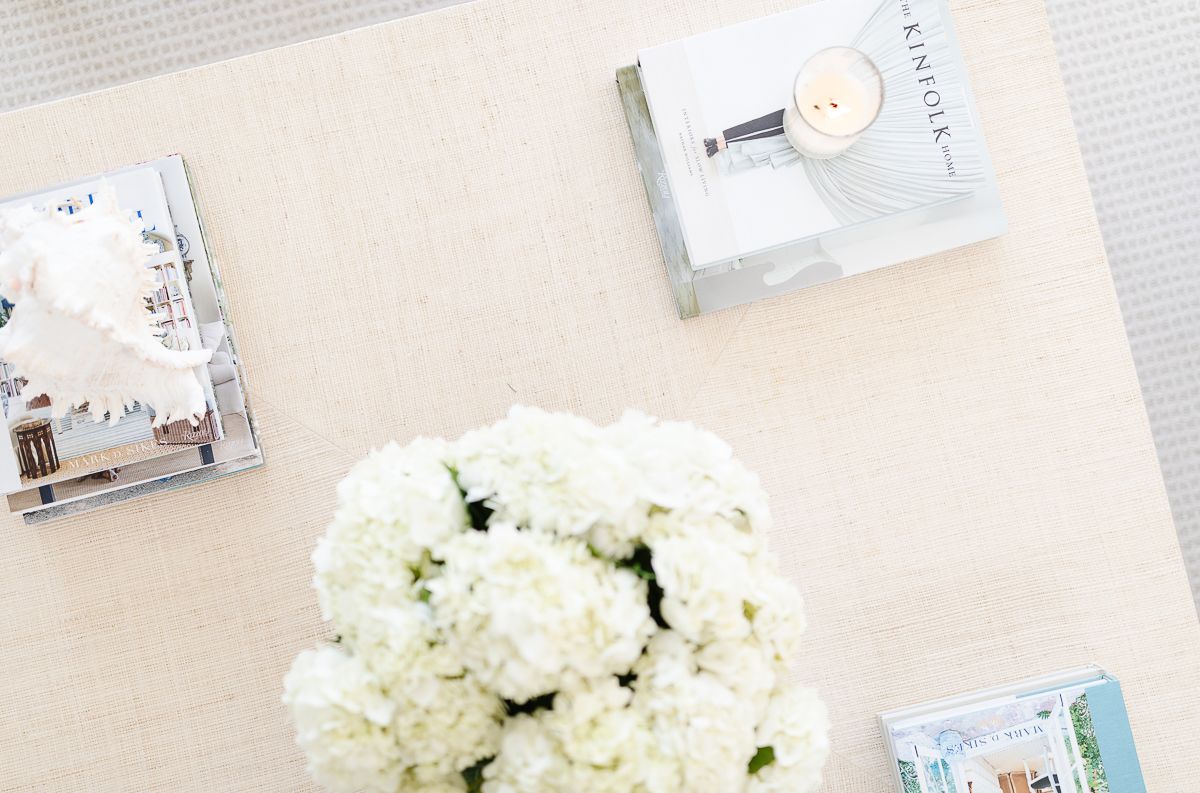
{"x":837,"y":95}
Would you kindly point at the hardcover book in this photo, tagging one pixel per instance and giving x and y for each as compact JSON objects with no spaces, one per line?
{"x":73,"y":445}
{"x":1065,"y":733}
{"x":81,"y":464}
{"x":742,"y":214}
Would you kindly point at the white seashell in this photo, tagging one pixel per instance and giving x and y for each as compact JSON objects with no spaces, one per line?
{"x":80,"y":331}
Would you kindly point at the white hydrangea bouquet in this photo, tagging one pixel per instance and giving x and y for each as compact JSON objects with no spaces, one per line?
{"x":546,"y":605}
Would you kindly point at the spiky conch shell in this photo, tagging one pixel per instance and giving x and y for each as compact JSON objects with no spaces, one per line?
{"x":80,"y":331}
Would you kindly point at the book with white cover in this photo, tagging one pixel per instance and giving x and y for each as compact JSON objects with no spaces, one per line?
{"x":176,"y":455}
{"x":81,"y":446}
{"x":752,"y":217}
{"x":1062,"y":733}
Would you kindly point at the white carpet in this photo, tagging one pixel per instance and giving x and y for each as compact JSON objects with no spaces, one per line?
{"x":55,"y":48}
{"x":1132,"y":69}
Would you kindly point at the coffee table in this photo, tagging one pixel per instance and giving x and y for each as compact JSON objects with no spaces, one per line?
{"x":423,"y":222}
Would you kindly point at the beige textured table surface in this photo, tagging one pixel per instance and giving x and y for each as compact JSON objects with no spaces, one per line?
{"x":421,"y":223}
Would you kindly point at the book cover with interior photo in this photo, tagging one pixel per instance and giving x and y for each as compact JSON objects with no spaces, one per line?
{"x":1065,"y":733}
{"x":41,"y":450}
{"x":84,"y":464}
{"x":744,"y":210}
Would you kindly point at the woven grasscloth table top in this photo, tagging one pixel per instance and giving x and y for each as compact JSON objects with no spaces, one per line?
{"x":421,"y":223}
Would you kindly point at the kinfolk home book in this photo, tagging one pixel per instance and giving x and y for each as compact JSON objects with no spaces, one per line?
{"x":751,"y":217}
{"x":191,"y":302}
{"x":1063,"y":733}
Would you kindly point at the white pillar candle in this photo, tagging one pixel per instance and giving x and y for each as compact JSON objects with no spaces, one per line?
{"x":837,"y":95}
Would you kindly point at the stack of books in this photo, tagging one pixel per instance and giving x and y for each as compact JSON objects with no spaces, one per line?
{"x":743,"y":216}
{"x":50,"y":466}
{"x":1063,"y":733}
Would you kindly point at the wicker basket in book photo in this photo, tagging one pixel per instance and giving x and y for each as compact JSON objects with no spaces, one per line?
{"x":182,"y":433}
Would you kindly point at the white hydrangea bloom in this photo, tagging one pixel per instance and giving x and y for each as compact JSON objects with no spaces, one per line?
{"x":451,"y":784}
{"x":598,"y":741}
{"x":548,"y":471}
{"x":618,"y":541}
{"x":796,"y":727}
{"x":704,"y":589}
{"x":445,"y":719}
{"x":736,"y":535}
{"x":395,"y":508}
{"x":528,"y":760}
{"x":777,"y":611}
{"x":601,"y":736}
{"x":341,"y":717}
{"x":694,"y":718}
{"x":716,"y":594}
{"x":524,"y":610}
{"x":744,"y":667}
{"x":412,"y":782}
{"x":390,"y":637}
{"x":447,"y":725}
{"x":689,"y":470}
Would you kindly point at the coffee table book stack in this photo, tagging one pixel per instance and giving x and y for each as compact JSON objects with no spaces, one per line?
{"x":58,"y":466}
{"x":742,"y":215}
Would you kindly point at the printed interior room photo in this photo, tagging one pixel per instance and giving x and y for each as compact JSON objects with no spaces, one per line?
{"x":621,"y":396}
{"x":1047,"y":744}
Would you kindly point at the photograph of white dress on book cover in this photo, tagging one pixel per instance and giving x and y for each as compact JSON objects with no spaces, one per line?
{"x":1042,"y":744}
{"x":719,"y":102}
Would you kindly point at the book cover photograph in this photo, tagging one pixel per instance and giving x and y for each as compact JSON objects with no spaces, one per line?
{"x":1065,"y":734}
{"x":814,"y":144}
{"x":60,"y":462}
{"x":741,"y":167}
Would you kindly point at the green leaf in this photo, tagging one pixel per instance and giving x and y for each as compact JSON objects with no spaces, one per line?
{"x":762,"y":758}
{"x":641,"y":563}
{"x":474,"y":775}
{"x":477,"y":512}
{"x":543,"y":702}
{"x":642,"y":573}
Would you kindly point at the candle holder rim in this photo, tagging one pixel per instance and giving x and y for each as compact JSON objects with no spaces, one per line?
{"x":874,"y":68}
